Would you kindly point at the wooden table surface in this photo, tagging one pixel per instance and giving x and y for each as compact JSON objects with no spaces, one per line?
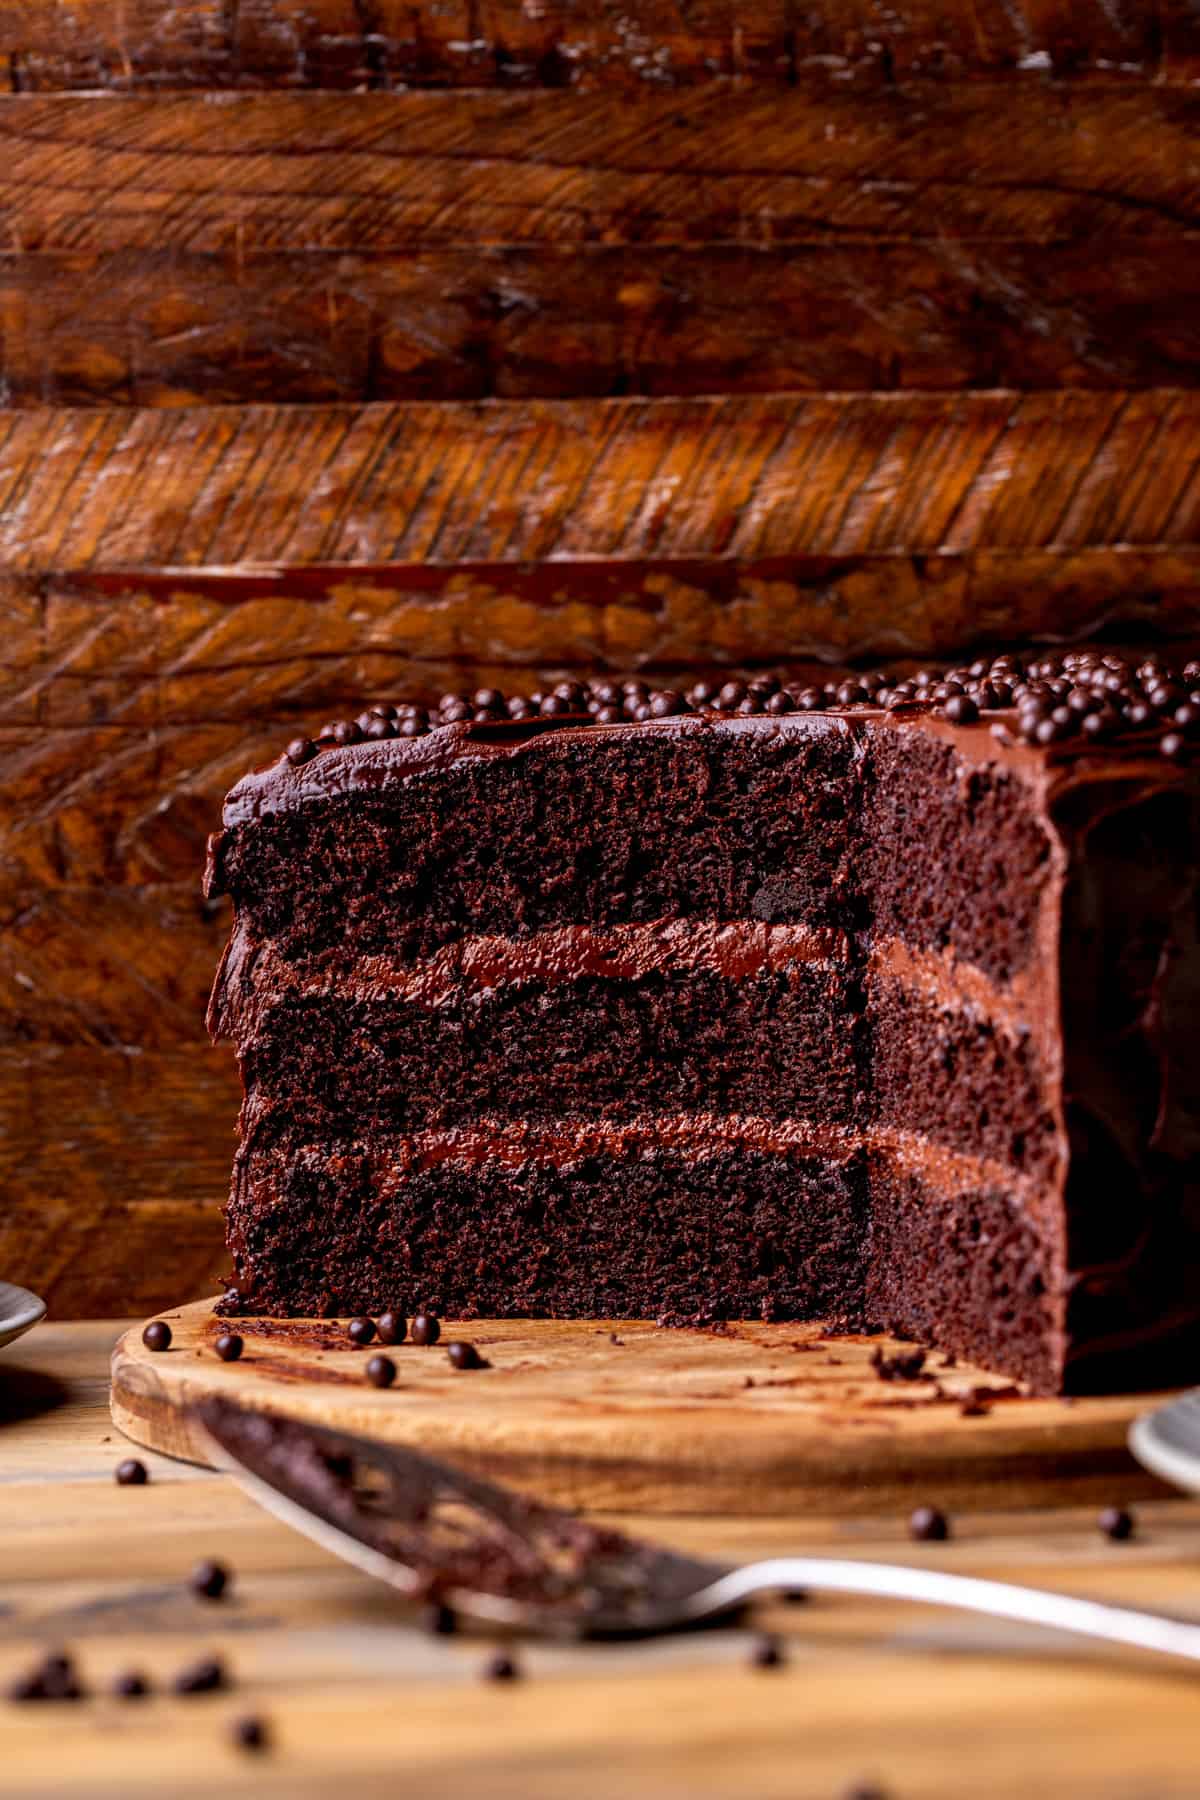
{"x":915,"y":1702}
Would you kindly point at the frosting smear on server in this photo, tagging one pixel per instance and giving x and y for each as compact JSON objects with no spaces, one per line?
{"x":870,"y":1002}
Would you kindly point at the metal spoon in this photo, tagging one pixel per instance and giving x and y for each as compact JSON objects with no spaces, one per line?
{"x":437,"y":1534}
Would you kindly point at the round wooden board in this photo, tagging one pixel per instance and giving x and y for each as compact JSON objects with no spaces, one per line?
{"x":748,"y":1419}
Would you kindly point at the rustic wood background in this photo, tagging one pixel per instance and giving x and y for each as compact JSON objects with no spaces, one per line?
{"x":351,"y":346}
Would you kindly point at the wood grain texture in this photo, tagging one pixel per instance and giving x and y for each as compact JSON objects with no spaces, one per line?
{"x":160,"y":328}
{"x":900,"y":1696}
{"x":232,"y":175}
{"x":122,"y":44}
{"x":761,"y":1419}
{"x":742,"y":479}
{"x":114,"y":1161}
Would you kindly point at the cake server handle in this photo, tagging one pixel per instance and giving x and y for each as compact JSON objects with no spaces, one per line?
{"x":998,"y":1599}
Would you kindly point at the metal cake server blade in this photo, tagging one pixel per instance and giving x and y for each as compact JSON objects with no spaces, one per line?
{"x":436,"y":1533}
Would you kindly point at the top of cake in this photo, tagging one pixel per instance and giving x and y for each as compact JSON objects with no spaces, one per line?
{"x":1060,"y":704}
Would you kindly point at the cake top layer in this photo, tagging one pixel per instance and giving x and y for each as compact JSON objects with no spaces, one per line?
{"x":1035,"y":710}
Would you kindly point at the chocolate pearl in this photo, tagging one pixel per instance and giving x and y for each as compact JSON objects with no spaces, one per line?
{"x":573,"y":693}
{"x":300,"y":750}
{"x":381,"y":1371}
{"x":1187,"y":716}
{"x":731,"y":696}
{"x":157,"y":1335}
{"x":57,"y":1679}
{"x":778,"y":704}
{"x":665,"y":704}
{"x":607,"y":693}
{"x":554,"y":706}
{"x":635,"y":689}
{"x":610,"y":715}
{"x":360,"y":1331}
{"x":850,"y":693}
{"x":455,"y":713}
{"x":766,"y":685}
{"x":767,"y":1654}
{"x":926,"y":1525}
{"x":249,"y":1733}
{"x":501,"y":1667}
{"x":412,"y":727}
{"x":1116,"y":1522}
{"x":229,"y":1346}
{"x":204,"y":1677}
{"x":346,"y":732}
{"x":810,"y":699}
{"x":376,"y":728}
{"x":488,"y":700}
{"x":132,"y":1685}
{"x":945,"y":690}
{"x":960,"y":709}
{"x":1100,"y":723}
{"x":385,"y":710}
{"x":520,"y":710}
{"x":1172,"y":745}
{"x":209,"y":1579}
{"x":392,"y":1327}
{"x":131,"y":1473}
{"x":465,"y":1356}
{"x":439,"y":1619}
{"x":1137,"y":714}
{"x":750,"y":707}
{"x":426,"y":1329}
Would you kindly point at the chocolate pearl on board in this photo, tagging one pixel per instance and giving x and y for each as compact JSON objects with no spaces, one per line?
{"x":157,"y":1335}
{"x":209,"y":1580}
{"x":360,"y":1331}
{"x":204,"y":1677}
{"x":381,"y":1371}
{"x":132,"y":1685}
{"x":439,"y":1619}
{"x":501,"y":1667}
{"x":392,"y":1327}
{"x":229,"y":1346}
{"x":131,"y":1473}
{"x":1116,"y":1523}
{"x":767,"y":1653}
{"x":464,"y":1356}
{"x":926,"y":1525}
{"x":426,"y":1329}
{"x":250,"y":1733}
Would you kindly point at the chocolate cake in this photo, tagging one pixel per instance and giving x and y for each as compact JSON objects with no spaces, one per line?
{"x":869,"y":1002}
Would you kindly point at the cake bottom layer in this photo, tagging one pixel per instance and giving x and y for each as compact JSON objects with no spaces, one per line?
{"x":740,"y":1233}
{"x":852,"y":1235}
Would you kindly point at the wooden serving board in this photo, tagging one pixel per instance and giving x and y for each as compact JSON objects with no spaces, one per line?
{"x":752,"y":1418}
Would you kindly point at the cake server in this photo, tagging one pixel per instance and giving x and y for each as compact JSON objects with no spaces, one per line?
{"x":493,"y":1556}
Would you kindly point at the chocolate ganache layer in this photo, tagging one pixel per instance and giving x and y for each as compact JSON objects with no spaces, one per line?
{"x":870,"y":1002}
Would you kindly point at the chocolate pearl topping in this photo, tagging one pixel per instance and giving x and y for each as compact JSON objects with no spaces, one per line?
{"x":1087,"y":695}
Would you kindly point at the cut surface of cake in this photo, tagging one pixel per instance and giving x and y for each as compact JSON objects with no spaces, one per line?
{"x":871,"y":1003}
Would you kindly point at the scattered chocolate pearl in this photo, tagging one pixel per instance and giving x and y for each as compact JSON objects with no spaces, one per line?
{"x":250,"y":1733}
{"x":1116,"y":1523}
{"x":440,"y":1620}
{"x":209,"y":1579}
{"x":360,"y":1331}
{"x":381,"y":1371}
{"x":157,"y":1335}
{"x":501,"y":1667}
{"x":926,"y":1525}
{"x":53,"y":1679}
{"x":300,"y":750}
{"x":767,"y":1653}
{"x":426,"y":1329}
{"x":132,"y":1685}
{"x":229,"y":1346}
{"x":131,"y":1473}
{"x":392,"y":1327}
{"x":204,"y":1677}
{"x":465,"y":1356}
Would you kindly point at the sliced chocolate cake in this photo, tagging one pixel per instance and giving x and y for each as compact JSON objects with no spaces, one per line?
{"x":871,"y":1003}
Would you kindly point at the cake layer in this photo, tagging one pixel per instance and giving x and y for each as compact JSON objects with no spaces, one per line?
{"x":709,"y":820}
{"x":635,"y":1231}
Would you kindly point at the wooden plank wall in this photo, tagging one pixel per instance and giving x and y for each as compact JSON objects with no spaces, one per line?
{"x":349,"y":348}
